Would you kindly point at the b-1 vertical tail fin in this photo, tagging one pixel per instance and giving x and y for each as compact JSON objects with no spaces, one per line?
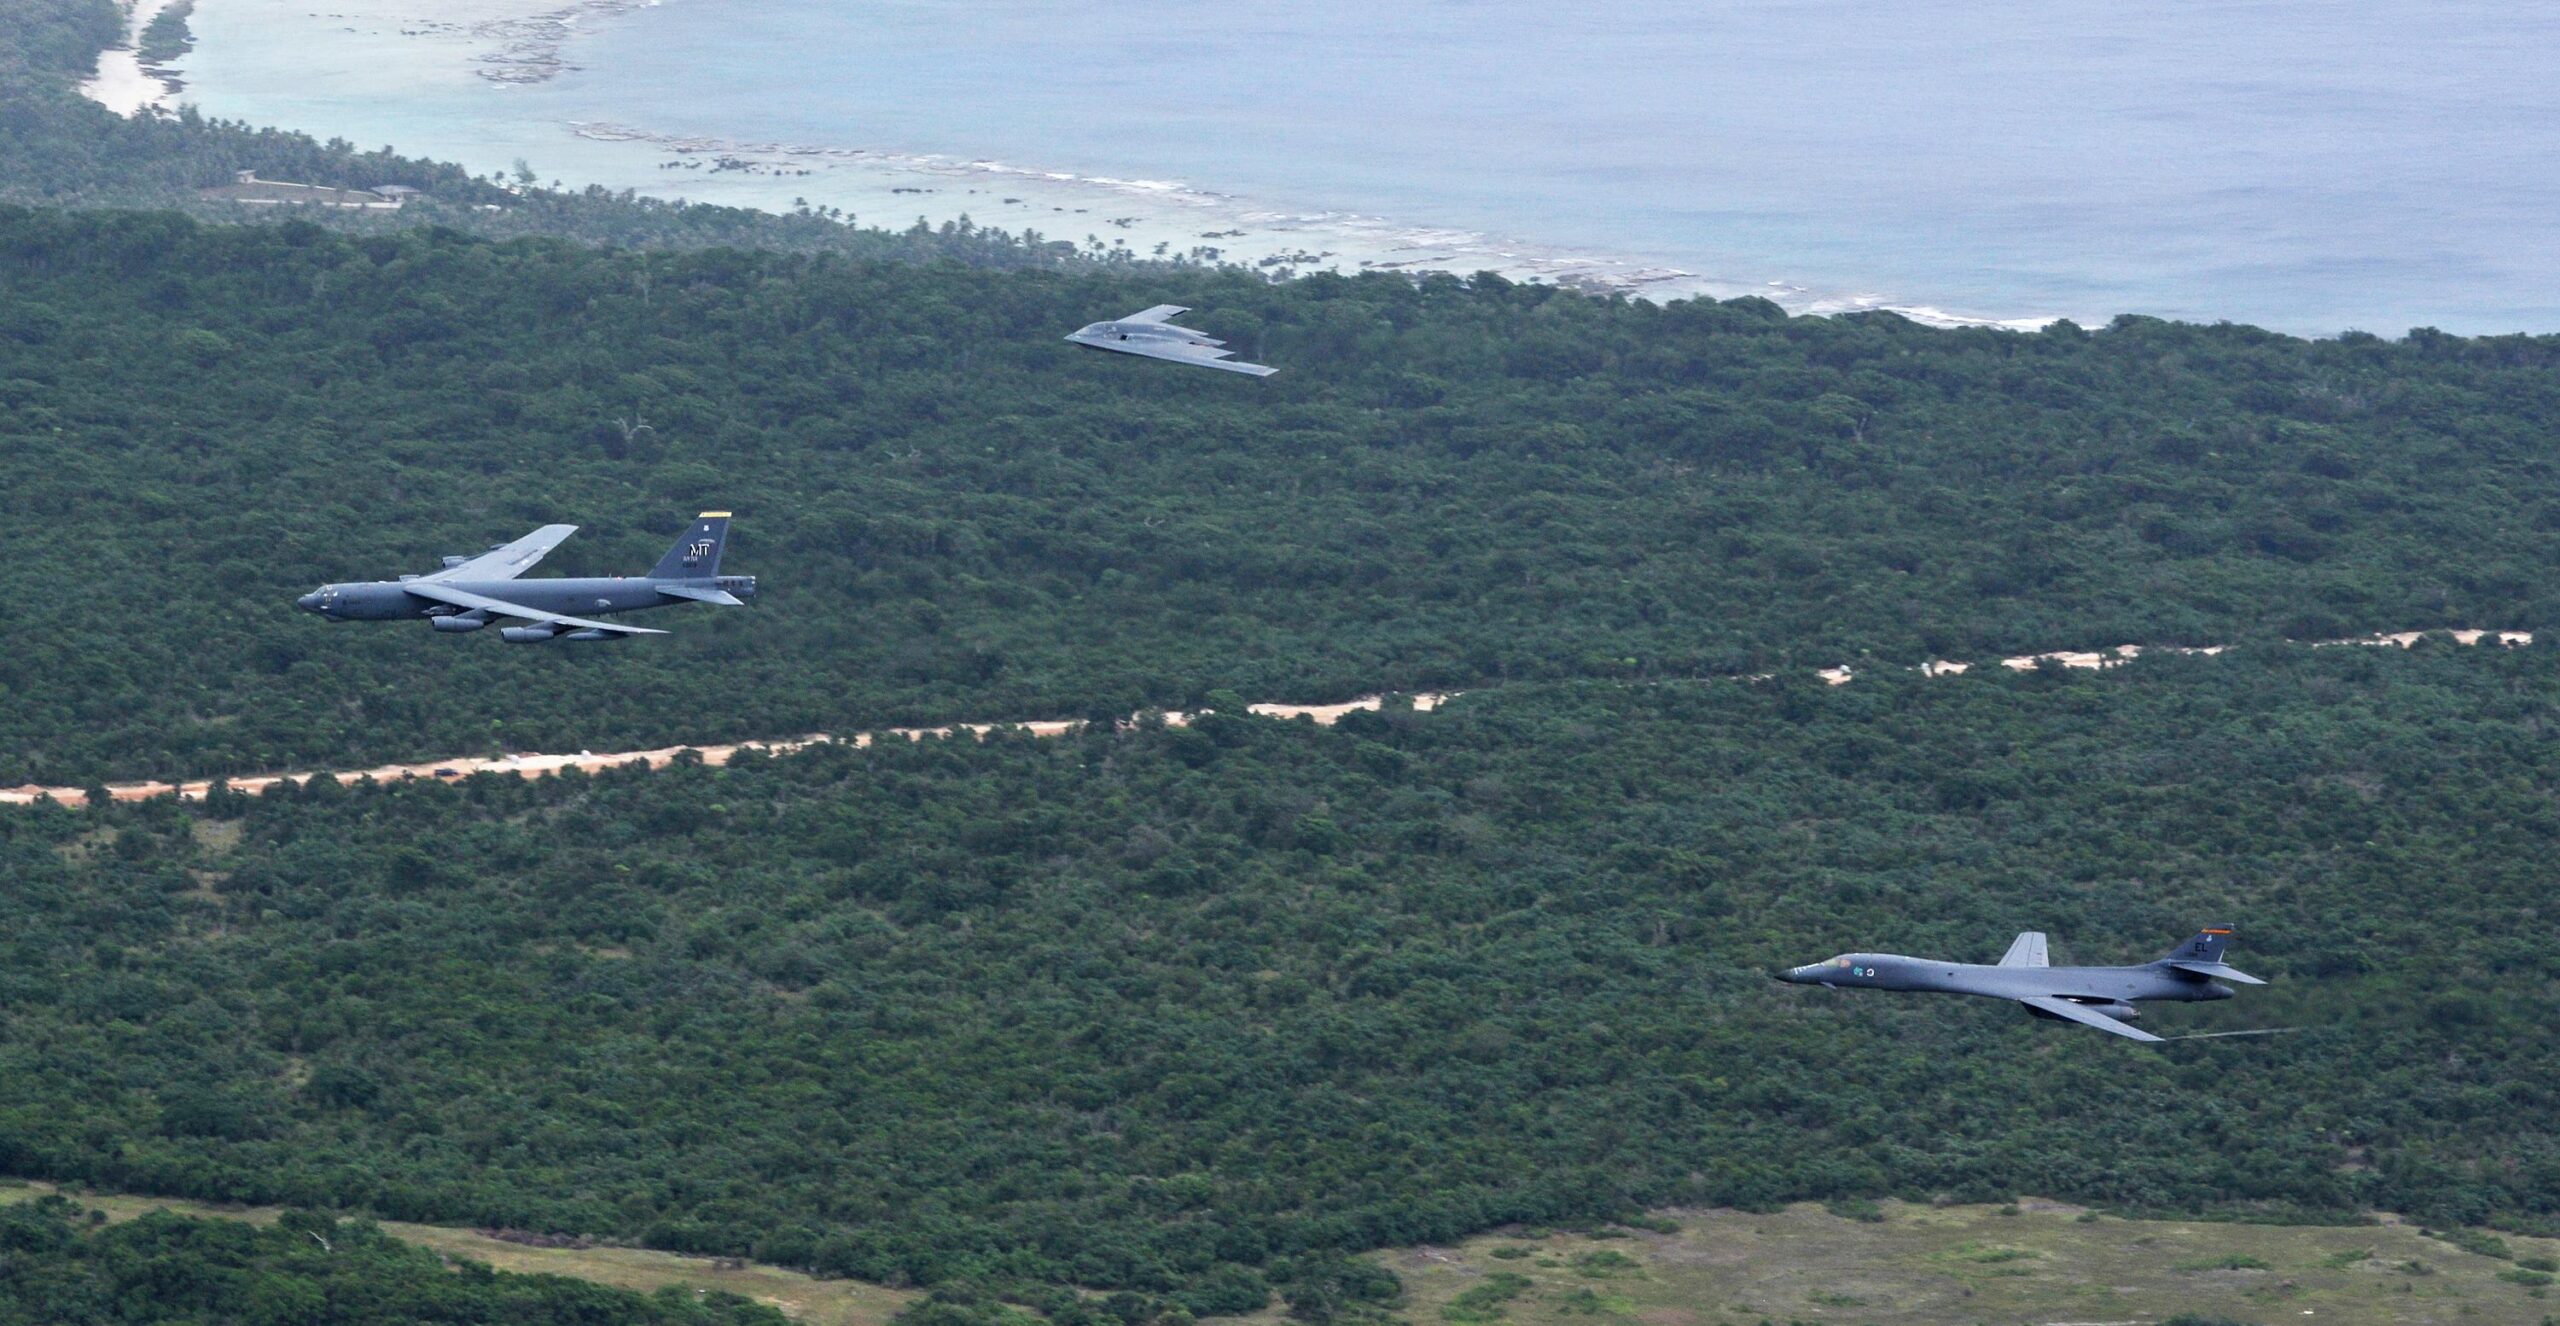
{"x":2027,"y":950}
{"x":2202,"y":956}
{"x":696,"y":556}
{"x":2206,"y":946}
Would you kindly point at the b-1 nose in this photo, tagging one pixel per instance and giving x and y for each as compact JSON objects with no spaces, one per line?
{"x":1792,"y":975}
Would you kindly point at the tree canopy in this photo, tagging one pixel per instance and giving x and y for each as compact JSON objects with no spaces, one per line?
{"x":1151,"y":1022}
{"x":1184,"y":1011}
{"x":956,"y":516}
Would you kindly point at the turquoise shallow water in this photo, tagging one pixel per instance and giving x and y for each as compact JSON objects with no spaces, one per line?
{"x":2307,"y":166}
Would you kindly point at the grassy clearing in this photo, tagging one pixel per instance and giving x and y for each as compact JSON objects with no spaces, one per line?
{"x":2038,"y":1262}
{"x":803,"y":1298}
{"x":1960,"y":1265}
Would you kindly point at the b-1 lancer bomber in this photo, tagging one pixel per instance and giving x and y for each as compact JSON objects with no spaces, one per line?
{"x":471,"y":592}
{"x":2101,"y":997}
{"x":1152,"y":333}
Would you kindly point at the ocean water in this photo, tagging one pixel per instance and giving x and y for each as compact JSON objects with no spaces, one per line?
{"x":2311,"y":167}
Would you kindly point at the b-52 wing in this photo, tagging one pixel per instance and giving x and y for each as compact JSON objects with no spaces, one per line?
{"x":1185,"y":352}
{"x":2071,"y":1012}
{"x":429,"y":589}
{"x":508,"y":560}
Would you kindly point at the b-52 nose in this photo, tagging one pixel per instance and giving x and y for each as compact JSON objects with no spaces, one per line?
{"x":309,"y":602}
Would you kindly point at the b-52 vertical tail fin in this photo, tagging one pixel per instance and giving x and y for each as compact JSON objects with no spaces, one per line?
{"x":696,"y":556}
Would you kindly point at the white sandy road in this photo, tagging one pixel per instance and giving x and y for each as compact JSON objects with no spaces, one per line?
{"x":2108,"y":658}
{"x":536,"y":766}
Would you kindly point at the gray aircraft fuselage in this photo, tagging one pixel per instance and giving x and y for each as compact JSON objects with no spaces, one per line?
{"x":2099,"y":997}
{"x":474,"y":592}
{"x":1893,"y":971}
{"x":577,"y":596}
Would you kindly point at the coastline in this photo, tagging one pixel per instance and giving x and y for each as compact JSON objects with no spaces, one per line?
{"x":887,"y":115}
{"x":491,"y":83}
{"x":123,"y":83}
{"x":1152,"y":218}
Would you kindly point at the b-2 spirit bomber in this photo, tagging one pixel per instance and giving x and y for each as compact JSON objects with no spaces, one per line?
{"x":471,"y":592}
{"x":1151,"y":332}
{"x":2101,"y":997}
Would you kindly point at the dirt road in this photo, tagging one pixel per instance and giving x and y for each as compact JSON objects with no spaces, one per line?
{"x":535,"y":766}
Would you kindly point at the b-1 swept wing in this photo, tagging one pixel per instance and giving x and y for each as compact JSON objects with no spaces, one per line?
{"x":468,"y":593}
{"x":1151,"y":332}
{"x":2100,"y":997}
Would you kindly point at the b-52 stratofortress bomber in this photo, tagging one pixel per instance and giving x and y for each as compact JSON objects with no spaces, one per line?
{"x":1151,"y":333}
{"x":2101,"y":997}
{"x":471,"y":592}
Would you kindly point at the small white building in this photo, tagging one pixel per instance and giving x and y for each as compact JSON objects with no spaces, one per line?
{"x":247,"y":189}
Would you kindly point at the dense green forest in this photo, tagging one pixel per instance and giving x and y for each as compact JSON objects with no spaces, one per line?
{"x":1185,"y":1012}
{"x":47,"y":45}
{"x":303,"y":1270}
{"x":1181,"y":1017}
{"x":958,"y":516}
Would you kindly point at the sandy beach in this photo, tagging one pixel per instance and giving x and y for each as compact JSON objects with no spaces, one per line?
{"x":490,"y":83}
{"x":1661,"y":154}
{"x":122,"y":84}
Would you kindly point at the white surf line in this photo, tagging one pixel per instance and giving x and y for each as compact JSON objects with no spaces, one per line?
{"x":1324,"y":715}
{"x":121,"y":84}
